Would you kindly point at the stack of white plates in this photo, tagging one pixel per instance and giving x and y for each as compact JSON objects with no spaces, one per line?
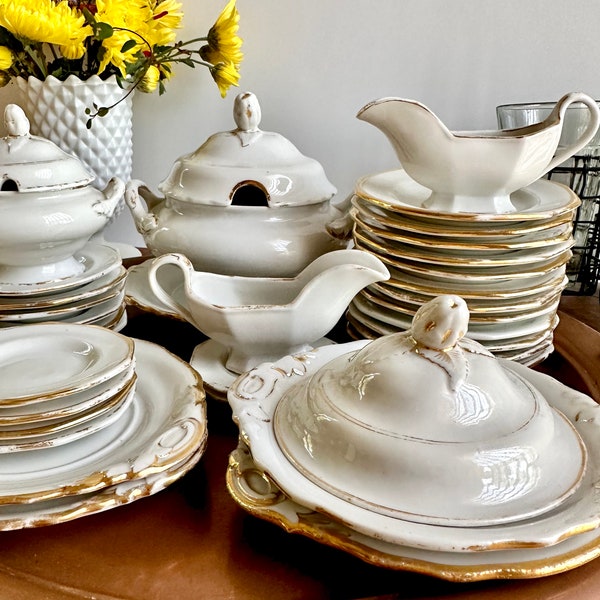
{"x":95,"y":296}
{"x":90,"y":419}
{"x":509,"y":267}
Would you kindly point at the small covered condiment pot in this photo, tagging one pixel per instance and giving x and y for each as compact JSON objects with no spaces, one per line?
{"x":48,"y":208}
{"x":246,"y":203}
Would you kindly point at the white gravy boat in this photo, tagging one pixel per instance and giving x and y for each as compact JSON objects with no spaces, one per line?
{"x":261,"y":319}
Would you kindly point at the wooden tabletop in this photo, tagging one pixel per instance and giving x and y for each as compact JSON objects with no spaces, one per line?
{"x":192,"y":540}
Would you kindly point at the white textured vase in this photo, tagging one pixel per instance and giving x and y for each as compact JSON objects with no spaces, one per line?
{"x":57,"y":111}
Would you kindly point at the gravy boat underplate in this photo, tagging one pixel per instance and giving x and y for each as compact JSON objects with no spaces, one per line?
{"x":261,"y":318}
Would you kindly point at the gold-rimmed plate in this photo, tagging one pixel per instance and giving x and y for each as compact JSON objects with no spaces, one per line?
{"x":554,"y":235}
{"x":264,"y":482}
{"x":397,"y":192}
{"x":164,"y":424}
{"x":375,"y":214}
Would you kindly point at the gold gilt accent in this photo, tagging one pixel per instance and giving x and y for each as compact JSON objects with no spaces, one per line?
{"x":320,"y":527}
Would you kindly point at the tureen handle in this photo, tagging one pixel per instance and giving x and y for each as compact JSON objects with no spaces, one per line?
{"x":145,"y":221}
{"x":341,"y":227}
{"x":113,"y":192}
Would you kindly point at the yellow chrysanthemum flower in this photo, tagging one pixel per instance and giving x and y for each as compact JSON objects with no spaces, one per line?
{"x":166,"y":19}
{"x":224,"y":45}
{"x":6,"y":58}
{"x":225,"y":75}
{"x":126,"y":20}
{"x":45,"y":21}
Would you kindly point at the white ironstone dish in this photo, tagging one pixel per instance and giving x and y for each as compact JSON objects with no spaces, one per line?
{"x":255,"y":398}
{"x":397,"y":192}
{"x":475,"y":171}
{"x":51,"y":360}
{"x":164,"y":424}
{"x":68,"y":430}
{"x":68,"y":508}
{"x":49,"y":210}
{"x":96,"y":260}
{"x":112,"y":282}
{"x":64,"y":407}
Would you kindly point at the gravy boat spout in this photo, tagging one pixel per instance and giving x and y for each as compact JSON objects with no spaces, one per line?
{"x":261,"y":319}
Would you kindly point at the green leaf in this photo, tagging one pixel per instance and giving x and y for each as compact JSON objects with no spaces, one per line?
{"x":103,"y":30}
{"x":102,"y":111}
{"x":88,"y":124}
{"x":128,"y":45}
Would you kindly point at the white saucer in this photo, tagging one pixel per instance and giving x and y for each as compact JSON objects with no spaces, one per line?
{"x":386,"y":323}
{"x":51,"y":360}
{"x":114,"y":280}
{"x":68,"y":508}
{"x":397,"y":192}
{"x":553,"y":235}
{"x":443,"y":228}
{"x":515,"y":259}
{"x":255,"y":396}
{"x":71,"y":405}
{"x":139,"y":294}
{"x":165,"y":424}
{"x":97,"y":260}
{"x":481,"y":276}
{"x":209,"y":358}
{"x":68,"y":430}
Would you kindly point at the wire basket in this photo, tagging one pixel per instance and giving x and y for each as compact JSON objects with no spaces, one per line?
{"x":582,"y":174}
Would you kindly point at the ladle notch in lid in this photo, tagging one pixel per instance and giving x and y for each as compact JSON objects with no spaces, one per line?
{"x":247,"y":158}
{"x":427,"y":426}
{"x":30,"y":163}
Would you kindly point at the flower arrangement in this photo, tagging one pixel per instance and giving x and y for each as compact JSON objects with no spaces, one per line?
{"x":134,"y":40}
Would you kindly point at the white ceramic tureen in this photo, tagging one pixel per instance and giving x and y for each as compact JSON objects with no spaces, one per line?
{"x":48,"y":207}
{"x":419,"y":428}
{"x":246,"y":202}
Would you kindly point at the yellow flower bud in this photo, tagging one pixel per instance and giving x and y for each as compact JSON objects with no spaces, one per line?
{"x":225,"y":75}
{"x":6,"y":58}
{"x":150,"y":80}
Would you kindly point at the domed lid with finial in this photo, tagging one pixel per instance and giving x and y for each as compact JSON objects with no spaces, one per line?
{"x":30,"y":163}
{"x":247,"y":158}
{"x":427,"y":426}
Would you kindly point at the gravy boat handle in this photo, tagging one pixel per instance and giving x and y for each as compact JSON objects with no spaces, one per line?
{"x":184,"y":264}
{"x":559,"y":114}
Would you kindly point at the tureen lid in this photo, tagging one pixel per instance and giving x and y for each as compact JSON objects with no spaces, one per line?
{"x":31,"y":163}
{"x":251,"y":159}
{"x":427,"y":426}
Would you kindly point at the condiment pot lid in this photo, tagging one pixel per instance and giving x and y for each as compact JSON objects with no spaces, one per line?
{"x":30,"y":163}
